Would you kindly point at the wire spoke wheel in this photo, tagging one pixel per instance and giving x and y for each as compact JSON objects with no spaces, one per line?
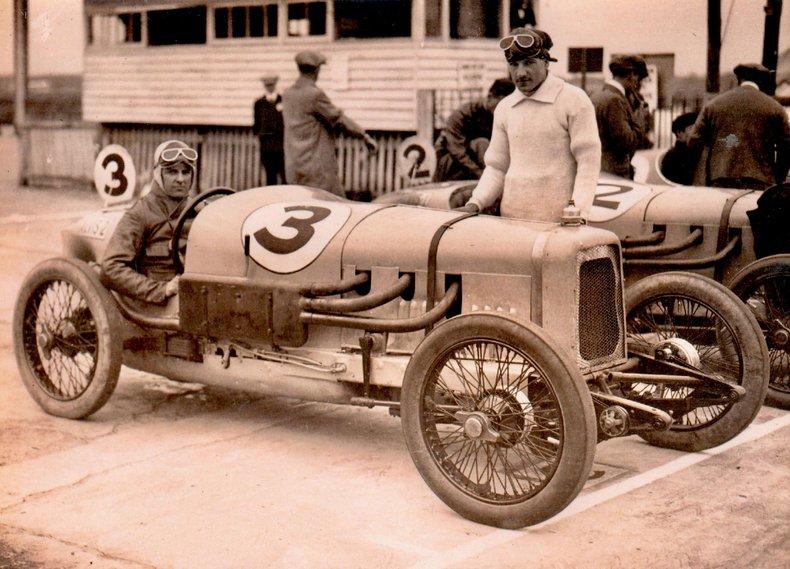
{"x":492,"y":421}
{"x":709,"y":345}
{"x":66,"y":347}
{"x":498,"y":420}
{"x":60,"y":340}
{"x":696,"y":322}
{"x":765,"y":288}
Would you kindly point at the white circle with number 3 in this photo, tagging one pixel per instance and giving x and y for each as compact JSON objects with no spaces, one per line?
{"x":286,"y":237}
{"x":114,"y":175}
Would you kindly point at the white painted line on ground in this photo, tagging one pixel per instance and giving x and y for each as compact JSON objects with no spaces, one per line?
{"x":15,"y":218}
{"x":408,"y":547}
{"x":586,"y":501}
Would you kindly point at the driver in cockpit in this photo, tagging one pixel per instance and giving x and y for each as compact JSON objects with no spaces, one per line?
{"x":137,"y":262}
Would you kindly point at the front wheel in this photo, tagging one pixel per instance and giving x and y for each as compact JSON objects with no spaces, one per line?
{"x":764,"y":286}
{"x":498,"y":420}
{"x":66,"y":343}
{"x":703,"y":325}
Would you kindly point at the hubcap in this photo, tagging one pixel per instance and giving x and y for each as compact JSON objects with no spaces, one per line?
{"x":680,"y":349}
{"x":477,"y":425}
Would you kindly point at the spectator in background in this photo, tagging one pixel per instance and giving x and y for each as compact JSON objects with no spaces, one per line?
{"x":622,"y":129}
{"x":680,"y":161}
{"x":311,"y":125}
{"x":744,"y":135}
{"x":464,"y":140}
{"x":268,"y":127}
{"x":544,"y":147}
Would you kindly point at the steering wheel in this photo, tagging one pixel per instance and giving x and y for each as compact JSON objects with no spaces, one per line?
{"x":178,"y":251}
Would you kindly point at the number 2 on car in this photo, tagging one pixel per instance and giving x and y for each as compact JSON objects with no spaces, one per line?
{"x":286,"y":237}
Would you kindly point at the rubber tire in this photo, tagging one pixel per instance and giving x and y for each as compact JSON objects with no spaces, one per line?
{"x":754,"y":354}
{"x":110,"y":346}
{"x":572,"y":395}
{"x":743,"y":283}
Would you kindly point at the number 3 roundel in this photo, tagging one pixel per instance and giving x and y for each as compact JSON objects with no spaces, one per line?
{"x":286,"y":237}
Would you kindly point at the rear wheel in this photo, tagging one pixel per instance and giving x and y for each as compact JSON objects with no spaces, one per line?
{"x":764,"y":286}
{"x":65,"y":341}
{"x":703,"y":325}
{"x":498,"y":420}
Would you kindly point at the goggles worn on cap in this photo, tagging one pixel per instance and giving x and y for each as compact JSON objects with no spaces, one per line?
{"x":172,"y":154}
{"x":524,"y":41}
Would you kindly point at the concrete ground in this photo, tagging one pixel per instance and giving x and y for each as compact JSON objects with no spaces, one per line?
{"x":171,"y":475}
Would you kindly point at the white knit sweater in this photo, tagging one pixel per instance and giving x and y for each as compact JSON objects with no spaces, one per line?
{"x":544,"y":150}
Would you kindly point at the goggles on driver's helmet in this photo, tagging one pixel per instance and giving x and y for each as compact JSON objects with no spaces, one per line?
{"x":170,"y":155}
{"x":524,"y":41}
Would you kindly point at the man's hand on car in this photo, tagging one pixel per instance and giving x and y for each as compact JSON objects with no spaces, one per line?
{"x":468,"y":208}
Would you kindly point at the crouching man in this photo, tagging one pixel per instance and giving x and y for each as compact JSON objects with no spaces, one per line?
{"x":137,"y":262}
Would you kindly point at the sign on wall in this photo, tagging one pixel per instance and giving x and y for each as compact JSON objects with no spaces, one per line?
{"x":470,"y":75}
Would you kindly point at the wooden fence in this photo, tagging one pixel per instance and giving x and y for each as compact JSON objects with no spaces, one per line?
{"x":54,"y":153}
{"x":230,"y":157}
{"x":64,"y":153}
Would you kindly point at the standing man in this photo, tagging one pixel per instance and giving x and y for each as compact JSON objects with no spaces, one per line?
{"x":311,"y":125}
{"x":622,"y":128}
{"x":461,"y":147}
{"x":268,"y":127}
{"x":544,"y":147}
{"x":744,"y":134}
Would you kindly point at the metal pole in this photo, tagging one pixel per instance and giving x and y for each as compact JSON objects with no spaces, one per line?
{"x":20,"y":84}
{"x":773,"y":15}
{"x":712,"y":84}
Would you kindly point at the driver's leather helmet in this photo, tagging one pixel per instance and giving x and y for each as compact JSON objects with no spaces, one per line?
{"x":174,"y":152}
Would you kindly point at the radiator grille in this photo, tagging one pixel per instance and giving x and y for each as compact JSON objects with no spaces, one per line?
{"x":600,"y":306}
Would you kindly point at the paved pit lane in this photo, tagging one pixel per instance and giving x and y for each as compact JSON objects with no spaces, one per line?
{"x":167,"y":475}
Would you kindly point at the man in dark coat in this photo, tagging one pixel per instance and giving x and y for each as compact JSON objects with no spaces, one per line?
{"x":311,"y":125}
{"x":268,"y":127}
{"x":623,"y":129}
{"x":744,"y":134}
{"x":461,"y":146}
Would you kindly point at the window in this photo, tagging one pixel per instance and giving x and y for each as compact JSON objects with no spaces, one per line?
{"x":433,"y":18}
{"x":372,"y":18}
{"x":522,"y":13}
{"x":178,"y":26}
{"x":585,"y":59}
{"x":116,"y":29}
{"x":307,"y":19}
{"x":475,"y":19}
{"x":245,"y":22}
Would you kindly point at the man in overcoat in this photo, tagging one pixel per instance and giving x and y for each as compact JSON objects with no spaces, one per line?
{"x":622,"y":128}
{"x":312,"y":123}
{"x":268,"y":127}
{"x":744,"y":134}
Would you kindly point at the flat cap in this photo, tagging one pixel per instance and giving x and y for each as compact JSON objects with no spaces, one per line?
{"x":310,"y":58}
{"x":621,"y":65}
{"x":270,"y":78}
{"x":751,"y":71}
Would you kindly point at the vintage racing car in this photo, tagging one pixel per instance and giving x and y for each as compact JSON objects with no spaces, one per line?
{"x":505,"y":346}
{"x":669,"y":228}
